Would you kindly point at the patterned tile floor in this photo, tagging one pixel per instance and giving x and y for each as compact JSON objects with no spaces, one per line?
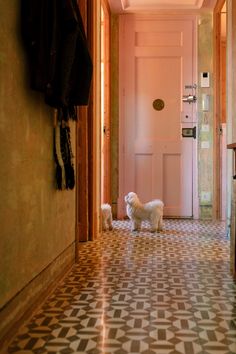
{"x":166,"y":293}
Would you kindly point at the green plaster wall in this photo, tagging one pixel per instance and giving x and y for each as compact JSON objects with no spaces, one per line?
{"x":205,"y":119}
{"x":37,"y":221}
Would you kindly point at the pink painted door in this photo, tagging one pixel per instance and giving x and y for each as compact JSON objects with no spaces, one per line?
{"x":156,"y":71}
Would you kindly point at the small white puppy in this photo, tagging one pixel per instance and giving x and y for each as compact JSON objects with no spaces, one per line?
{"x":138,"y":212}
{"x":106,"y":217}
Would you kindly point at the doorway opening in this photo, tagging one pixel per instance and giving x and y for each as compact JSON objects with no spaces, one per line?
{"x":105,"y":104}
{"x":157,"y":156}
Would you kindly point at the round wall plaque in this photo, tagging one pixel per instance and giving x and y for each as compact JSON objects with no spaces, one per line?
{"x":158,"y":104}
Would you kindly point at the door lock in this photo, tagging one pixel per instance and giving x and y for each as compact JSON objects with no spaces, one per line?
{"x":189,"y":132}
{"x":189,"y":98}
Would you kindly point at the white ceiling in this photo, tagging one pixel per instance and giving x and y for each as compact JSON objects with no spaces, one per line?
{"x":156,"y":5}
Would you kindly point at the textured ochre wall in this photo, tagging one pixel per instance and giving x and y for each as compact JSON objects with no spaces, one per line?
{"x":37,"y":222}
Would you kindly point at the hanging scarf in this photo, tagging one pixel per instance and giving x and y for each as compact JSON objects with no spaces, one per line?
{"x":65,"y":176}
{"x":67,"y":156}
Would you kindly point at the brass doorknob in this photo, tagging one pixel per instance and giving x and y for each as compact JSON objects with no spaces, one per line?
{"x":158,"y":104}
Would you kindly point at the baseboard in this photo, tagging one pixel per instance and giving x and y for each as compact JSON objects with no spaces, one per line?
{"x":20,"y":308}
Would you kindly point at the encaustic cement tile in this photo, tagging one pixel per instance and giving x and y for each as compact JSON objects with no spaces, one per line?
{"x":144,"y":293}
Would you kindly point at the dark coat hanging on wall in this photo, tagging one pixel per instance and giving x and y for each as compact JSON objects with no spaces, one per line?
{"x":59,"y":60}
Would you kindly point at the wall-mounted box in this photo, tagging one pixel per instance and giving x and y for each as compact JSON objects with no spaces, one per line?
{"x":205,"y":79}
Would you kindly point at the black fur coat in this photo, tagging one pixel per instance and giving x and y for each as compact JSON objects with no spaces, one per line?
{"x":59,"y":60}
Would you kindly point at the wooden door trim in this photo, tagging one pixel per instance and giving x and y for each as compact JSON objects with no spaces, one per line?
{"x":94,"y":122}
{"x":82,"y":161}
{"x":107,"y":94}
{"x":216,"y":124}
{"x":88,"y":137}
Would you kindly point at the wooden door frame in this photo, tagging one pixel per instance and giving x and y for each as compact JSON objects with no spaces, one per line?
{"x":88,"y":138}
{"x":217,"y":110}
{"x":82,"y":161}
{"x":107,"y":113}
{"x":94,"y":123}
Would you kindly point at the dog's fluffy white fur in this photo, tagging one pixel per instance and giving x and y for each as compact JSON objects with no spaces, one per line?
{"x":106,"y":217}
{"x":138,"y":212}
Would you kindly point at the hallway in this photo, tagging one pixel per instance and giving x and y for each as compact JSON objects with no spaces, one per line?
{"x":141,"y":293}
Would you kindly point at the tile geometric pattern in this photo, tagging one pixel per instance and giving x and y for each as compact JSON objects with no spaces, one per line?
{"x":141,"y":293}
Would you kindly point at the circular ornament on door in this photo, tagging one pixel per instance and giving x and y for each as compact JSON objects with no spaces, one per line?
{"x":158,"y":104}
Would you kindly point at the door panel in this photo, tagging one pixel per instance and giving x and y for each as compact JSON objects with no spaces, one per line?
{"x":143,"y":163}
{"x":157,"y":63}
{"x":149,"y":123}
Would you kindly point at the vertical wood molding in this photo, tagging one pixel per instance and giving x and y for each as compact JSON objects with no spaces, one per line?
{"x":106,"y":156}
{"x":217,"y":110}
{"x":88,"y":133}
{"x":115,"y":128}
{"x":94,"y":121}
{"x":82,"y":206}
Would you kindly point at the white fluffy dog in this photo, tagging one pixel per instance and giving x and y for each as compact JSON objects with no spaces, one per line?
{"x":106,"y":217}
{"x":138,"y":212}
